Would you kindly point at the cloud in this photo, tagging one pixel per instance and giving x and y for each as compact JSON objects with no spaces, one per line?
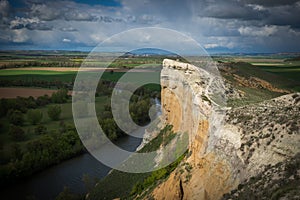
{"x":270,"y":3}
{"x":243,"y":25}
{"x":4,"y":8}
{"x":284,"y":15}
{"x":76,"y":15}
{"x":38,"y":26}
{"x":66,"y":40}
{"x":257,"y":7}
{"x":230,"y":10}
{"x":19,"y":37}
{"x":46,"y":12}
{"x":60,"y":10}
{"x":264,"y":31}
{"x":29,"y":23}
{"x":5,"y":13}
{"x":210,"y":46}
{"x":68,"y":29}
{"x":108,"y":19}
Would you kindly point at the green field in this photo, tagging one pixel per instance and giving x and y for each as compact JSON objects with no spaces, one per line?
{"x":71,"y":75}
{"x":288,"y":71}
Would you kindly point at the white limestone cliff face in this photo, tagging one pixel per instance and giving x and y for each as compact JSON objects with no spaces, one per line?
{"x":227,"y":146}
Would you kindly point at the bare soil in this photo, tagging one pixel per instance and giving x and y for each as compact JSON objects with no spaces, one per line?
{"x":10,"y":93}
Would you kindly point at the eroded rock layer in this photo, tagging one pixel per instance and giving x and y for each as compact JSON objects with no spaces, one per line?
{"x":227,"y":146}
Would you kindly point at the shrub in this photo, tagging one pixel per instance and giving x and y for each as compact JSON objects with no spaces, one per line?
{"x":39,"y":130}
{"x":34,"y":116}
{"x":17,"y":133}
{"x":60,"y":96}
{"x":15,"y":117}
{"x":54,"y":112}
{"x":205,"y":98}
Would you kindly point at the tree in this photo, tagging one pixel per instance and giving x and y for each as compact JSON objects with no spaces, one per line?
{"x":17,"y":133}
{"x":34,"y":116}
{"x":54,"y":112}
{"x":16,"y":151}
{"x":40,"y":129}
{"x":110,"y":128}
{"x":60,"y":96}
{"x":15,"y":117}
{"x":67,"y":194}
{"x":43,"y":100}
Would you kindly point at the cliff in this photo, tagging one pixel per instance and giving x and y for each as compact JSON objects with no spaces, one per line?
{"x":227,"y":146}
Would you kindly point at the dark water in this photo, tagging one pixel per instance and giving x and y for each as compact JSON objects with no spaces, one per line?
{"x":50,"y":182}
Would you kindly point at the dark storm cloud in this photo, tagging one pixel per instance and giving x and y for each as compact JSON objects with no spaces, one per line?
{"x":58,"y":10}
{"x":242,"y":24}
{"x":69,"y":11}
{"x":38,"y":26}
{"x":76,"y":15}
{"x":281,"y":13}
{"x":17,"y":26}
{"x":4,"y":9}
{"x":29,"y":23}
{"x":285,"y":15}
{"x":5,"y":13}
{"x":270,"y":3}
{"x":46,"y":12}
{"x":232,"y":10}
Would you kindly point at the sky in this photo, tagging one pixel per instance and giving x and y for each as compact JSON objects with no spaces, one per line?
{"x":220,"y":26}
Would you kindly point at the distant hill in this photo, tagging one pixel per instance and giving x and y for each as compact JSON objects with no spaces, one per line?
{"x":150,"y":52}
{"x":293,"y":59}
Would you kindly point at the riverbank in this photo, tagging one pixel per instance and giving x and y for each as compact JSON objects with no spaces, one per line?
{"x":48,"y":183}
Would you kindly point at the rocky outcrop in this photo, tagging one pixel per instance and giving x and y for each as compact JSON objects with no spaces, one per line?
{"x":188,"y":104}
{"x":227,"y":146}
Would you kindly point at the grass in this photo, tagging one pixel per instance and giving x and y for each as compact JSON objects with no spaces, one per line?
{"x":252,"y":95}
{"x":289,"y":72}
{"x":122,"y":185}
{"x":9,"y":72}
{"x":68,"y":77}
{"x":29,"y":75}
{"x":285,"y":77}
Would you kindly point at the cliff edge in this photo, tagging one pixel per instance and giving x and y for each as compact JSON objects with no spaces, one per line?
{"x":227,"y":146}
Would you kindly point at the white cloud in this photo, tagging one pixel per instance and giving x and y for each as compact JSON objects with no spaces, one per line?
{"x":258,"y":31}
{"x":66,"y":40}
{"x":210,"y":46}
{"x":257,"y":7}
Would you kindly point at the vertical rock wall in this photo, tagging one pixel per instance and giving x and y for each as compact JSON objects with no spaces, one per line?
{"x":226,"y":147}
{"x":187,"y":106}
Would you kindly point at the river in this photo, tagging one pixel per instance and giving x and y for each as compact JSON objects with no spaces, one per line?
{"x":51,"y":181}
{"x":47,"y":184}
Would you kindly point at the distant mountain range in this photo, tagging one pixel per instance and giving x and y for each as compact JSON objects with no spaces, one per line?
{"x":150,"y":51}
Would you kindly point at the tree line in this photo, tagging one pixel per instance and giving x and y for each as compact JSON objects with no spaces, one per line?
{"x":39,"y":64}
{"x":41,"y":152}
{"x":22,"y":104}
